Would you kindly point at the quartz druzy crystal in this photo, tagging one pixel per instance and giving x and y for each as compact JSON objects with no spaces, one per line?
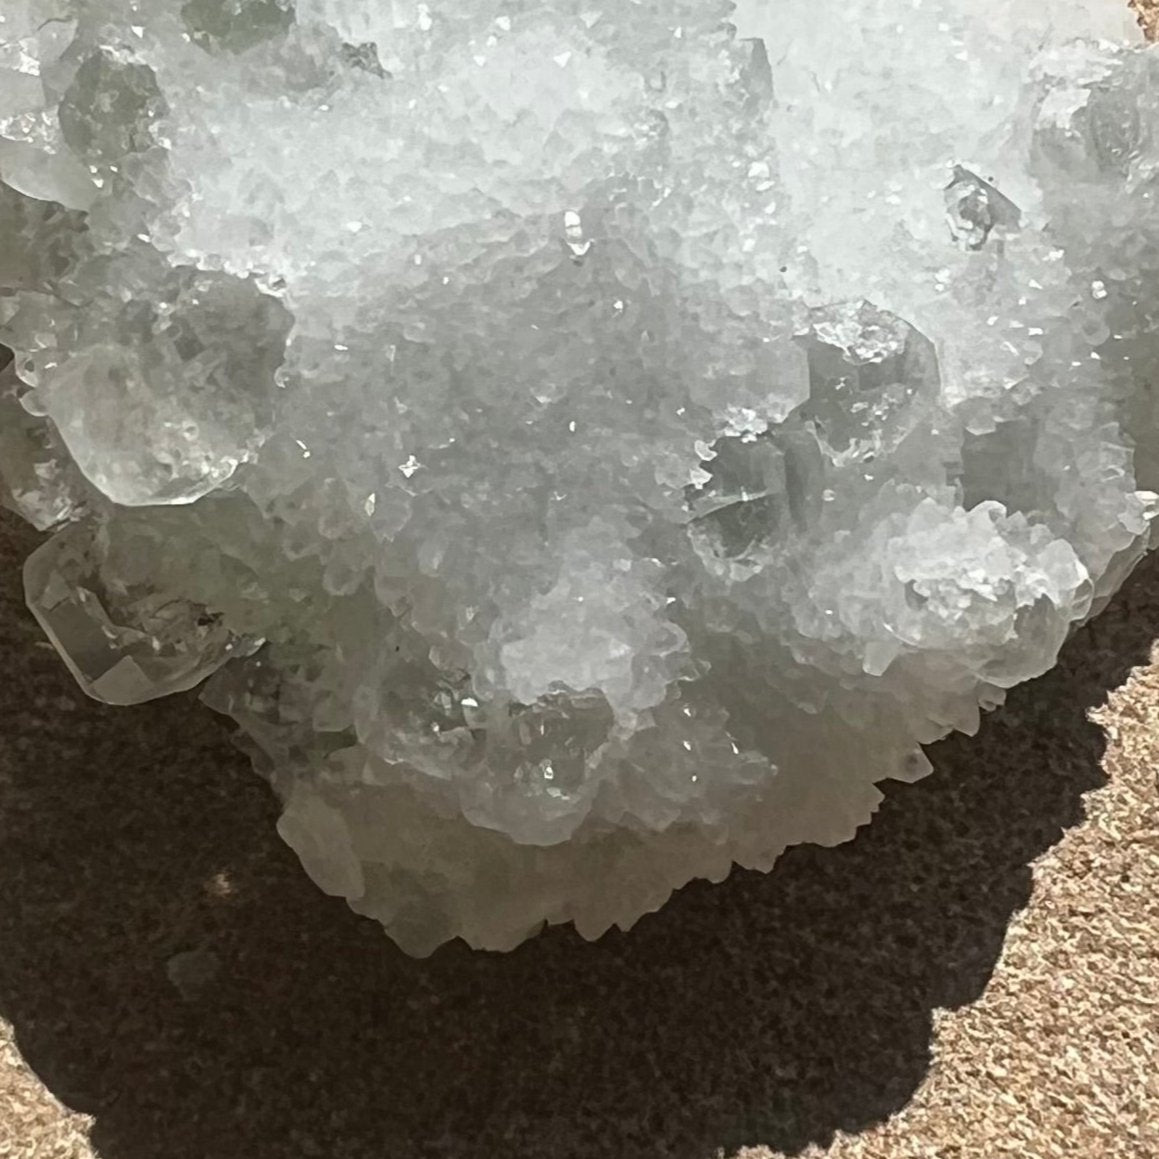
{"x":588,"y":443}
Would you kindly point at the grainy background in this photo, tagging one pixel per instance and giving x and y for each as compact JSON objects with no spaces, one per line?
{"x":1148,"y":13}
{"x":975,"y":975}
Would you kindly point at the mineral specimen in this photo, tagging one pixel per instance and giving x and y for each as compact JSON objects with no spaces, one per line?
{"x":589,"y":443}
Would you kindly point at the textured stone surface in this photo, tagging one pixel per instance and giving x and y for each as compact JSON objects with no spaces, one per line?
{"x":616,"y":443}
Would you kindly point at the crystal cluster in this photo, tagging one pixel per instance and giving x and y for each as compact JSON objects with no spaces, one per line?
{"x":588,"y":442}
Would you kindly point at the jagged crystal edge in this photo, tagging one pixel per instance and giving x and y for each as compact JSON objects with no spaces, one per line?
{"x":585,"y":447}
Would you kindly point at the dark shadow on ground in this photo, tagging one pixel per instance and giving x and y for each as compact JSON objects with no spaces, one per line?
{"x":770,"y":1009}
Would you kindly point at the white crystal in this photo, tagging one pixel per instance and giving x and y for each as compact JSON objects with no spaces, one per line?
{"x":632,"y":432}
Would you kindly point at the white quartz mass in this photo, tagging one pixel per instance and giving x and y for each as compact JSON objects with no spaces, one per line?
{"x":589,"y":443}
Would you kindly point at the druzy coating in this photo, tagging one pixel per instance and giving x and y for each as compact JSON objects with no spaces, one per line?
{"x":586,"y":445}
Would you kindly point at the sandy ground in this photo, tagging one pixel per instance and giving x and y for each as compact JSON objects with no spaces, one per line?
{"x":974,"y":976}
{"x":1147,"y":12}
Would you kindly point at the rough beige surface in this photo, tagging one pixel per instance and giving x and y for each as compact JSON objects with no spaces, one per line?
{"x":34,"y":1125}
{"x":1059,"y":1057}
{"x":1148,"y":14}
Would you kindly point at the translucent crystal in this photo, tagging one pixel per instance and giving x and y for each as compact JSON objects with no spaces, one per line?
{"x":37,"y":478}
{"x":590,"y":446}
{"x":124,"y":644}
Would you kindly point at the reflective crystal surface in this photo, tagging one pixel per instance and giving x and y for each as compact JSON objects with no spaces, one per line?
{"x":124,"y":642}
{"x":588,"y":444}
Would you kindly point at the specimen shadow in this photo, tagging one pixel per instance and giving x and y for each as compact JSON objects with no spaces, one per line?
{"x":170,"y":970}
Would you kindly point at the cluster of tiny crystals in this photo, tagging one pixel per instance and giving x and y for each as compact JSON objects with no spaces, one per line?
{"x":585,"y":444}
